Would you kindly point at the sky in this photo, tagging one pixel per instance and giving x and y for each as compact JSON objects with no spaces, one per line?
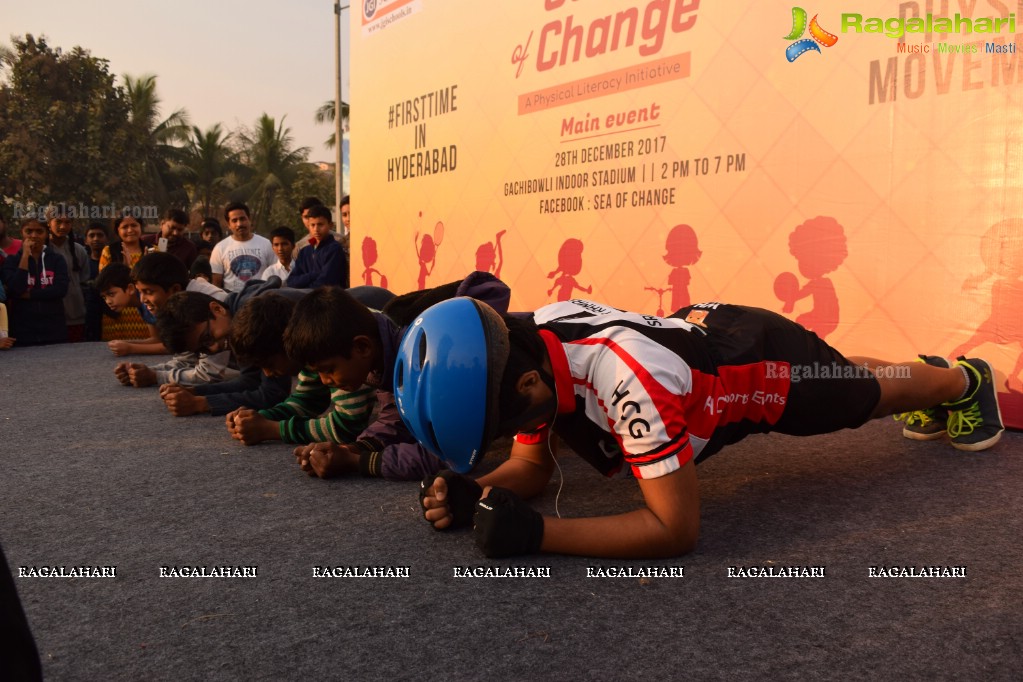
{"x":223,"y":61}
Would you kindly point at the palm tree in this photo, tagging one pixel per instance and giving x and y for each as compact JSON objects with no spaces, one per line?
{"x":7,"y":57}
{"x":273,"y":163}
{"x":208,"y":167}
{"x":157,"y":139}
{"x":326,"y":114}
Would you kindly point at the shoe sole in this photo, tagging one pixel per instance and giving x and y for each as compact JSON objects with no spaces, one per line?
{"x":916,"y":435}
{"x":982,"y":445}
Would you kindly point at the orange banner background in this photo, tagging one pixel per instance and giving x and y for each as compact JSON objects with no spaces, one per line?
{"x":875,"y":190}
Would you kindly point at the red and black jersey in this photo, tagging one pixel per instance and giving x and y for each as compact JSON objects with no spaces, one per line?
{"x":657,"y":392}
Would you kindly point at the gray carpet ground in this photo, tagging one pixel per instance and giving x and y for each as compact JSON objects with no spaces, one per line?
{"x":98,"y":474}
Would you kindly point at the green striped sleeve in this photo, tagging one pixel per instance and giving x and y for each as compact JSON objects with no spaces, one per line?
{"x":349,"y":416}
{"x":309,"y":398}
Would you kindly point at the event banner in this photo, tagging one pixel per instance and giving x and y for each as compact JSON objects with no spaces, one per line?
{"x":856,"y":167}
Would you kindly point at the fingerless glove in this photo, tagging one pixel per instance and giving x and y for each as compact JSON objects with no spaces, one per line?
{"x":463,"y":493}
{"x":506,"y":526}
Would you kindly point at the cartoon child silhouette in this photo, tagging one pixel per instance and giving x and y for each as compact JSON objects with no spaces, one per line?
{"x":681,"y":249}
{"x":427,"y":253}
{"x":369,"y":257}
{"x":570,"y":264}
{"x":819,"y":246}
{"x":1001,"y":249}
{"x":489,"y":257}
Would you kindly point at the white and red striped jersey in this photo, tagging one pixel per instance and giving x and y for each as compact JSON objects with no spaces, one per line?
{"x":650,"y":391}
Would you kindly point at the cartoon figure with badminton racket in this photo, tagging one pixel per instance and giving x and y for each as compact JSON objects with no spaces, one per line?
{"x":369,"y":257}
{"x":660,"y":298}
{"x":427,"y":252}
{"x":489,"y":257}
{"x":570,"y":264}
{"x":819,"y":246}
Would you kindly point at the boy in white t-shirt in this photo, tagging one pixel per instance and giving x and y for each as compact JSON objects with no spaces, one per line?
{"x":282,"y":239}
{"x":246,"y":255}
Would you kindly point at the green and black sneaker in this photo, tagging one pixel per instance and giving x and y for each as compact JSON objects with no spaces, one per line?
{"x":929,"y":424}
{"x":975,"y":422}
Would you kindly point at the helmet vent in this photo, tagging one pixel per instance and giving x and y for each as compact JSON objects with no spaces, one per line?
{"x":422,"y":350}
{"x":432,"y":436}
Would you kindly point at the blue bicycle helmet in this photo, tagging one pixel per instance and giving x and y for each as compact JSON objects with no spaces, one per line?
{"x":447,"y":378}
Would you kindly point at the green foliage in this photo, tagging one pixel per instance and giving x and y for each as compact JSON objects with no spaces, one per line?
{"x":326,"y":114}
{"x":274,"y":165}
{"x":158,"y":142}
{"x":309,"y":181}
{"x":209,"y":168}
{"x":71,"y":134}
{"x":66,"y":132}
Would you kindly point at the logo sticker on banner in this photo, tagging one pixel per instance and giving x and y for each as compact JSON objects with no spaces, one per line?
{"x":818,"y":35}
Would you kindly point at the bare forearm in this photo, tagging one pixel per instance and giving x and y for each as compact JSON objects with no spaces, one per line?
{"x":270,"y":430}
{"x":523,"y":477}
{"x":667,"y":526}
{"x":634,"y":535}
{"x":146,"y":347}
{"x":526,"y":472}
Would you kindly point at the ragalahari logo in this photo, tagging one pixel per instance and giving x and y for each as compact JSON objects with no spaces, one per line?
{"x":818,"y":35}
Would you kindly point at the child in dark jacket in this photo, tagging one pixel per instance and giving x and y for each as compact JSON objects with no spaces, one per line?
{"x":323,"y":262}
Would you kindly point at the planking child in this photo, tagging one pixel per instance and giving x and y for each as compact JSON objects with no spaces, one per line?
{"x":657,"y":395}
{"x":341,"y":346}
{"x":195,"y":322}
{"x":155,"y":278}
{"x":313,"y":411}
{"x":330,"y":411}
{"x":347,"y":346}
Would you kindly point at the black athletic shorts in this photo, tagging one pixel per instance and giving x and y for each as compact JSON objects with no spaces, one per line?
{"x":827,"y":392}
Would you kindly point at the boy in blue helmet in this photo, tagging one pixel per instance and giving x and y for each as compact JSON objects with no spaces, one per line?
{"x":657,"y":394}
